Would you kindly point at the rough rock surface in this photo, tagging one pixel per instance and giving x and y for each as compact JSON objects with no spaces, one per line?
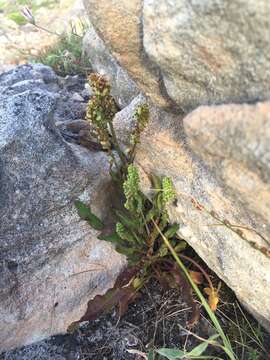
{"x":195,"y":52}
{"x":218,"y":156}
{"x":210,"y":51}
{"x":51,"y":262}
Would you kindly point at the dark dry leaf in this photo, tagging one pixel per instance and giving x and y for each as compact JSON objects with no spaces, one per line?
{"x":186,"y":289}
{"x":125,"y":276}
{"x":165,"y":280}
{"x":196,"y":276}
{"x":102,"y":304}
{"x":120,"y":295}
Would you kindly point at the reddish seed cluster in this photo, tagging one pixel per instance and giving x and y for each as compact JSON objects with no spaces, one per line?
{"x":99,"y":84}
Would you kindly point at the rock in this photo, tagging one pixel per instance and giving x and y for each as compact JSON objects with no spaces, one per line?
{"x":87,"y":92}
{"x":77,"y":97}
{"x":28,"y":72}
{"x":123,"y":88}
{"x":51,"y":262}
{"x":209,"y":52}
{"x":186,"y":53}
{"x":234,"y":136}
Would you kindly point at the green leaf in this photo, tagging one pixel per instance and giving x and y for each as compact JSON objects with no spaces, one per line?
{"x":151,"y":355}
{"x":156,"y":182}
{"x":171,"y":354}
{"x":159,"y":202}
{"x":125,"y":234}
{"x":153,"y":213}
{"x":171,"y":231}
{"x":125,"y":250}
{"x":128,"y":222}
{"x":85,"y":213}
{"x":113,"y":238}
{"x":180,"y":246}
{"x":200,"y":349}
{"x":133,"y":260}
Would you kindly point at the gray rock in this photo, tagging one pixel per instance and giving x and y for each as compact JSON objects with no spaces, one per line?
{"x":51,"y":262}
{"x":184,"y":53}
{"x":77,"y":97}
{"x":28,"y":72}
{"x":123,"y":88}
{"x":210,"y":52}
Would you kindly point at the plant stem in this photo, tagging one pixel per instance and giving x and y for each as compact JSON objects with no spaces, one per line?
{"x":47,"y":30}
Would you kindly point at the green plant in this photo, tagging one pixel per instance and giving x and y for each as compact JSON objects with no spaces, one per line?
{"x":135,"y":234}
{"x":66,"y":56}
{"x":245,"y":333}
{"x":195,"y":353}
{"x":100,"y":113}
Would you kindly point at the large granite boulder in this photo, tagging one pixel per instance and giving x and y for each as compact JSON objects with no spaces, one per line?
{"x":209,"y":51}
{"x":179,"y":55}
{"x":187,"y":53}
{"x":51,"y":262}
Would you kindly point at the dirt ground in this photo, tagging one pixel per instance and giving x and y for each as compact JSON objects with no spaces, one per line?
{"x":157,"y":319}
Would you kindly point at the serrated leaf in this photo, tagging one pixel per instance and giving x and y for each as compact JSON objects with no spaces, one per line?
{"x":101,"y":304}
{"x":85,"y":213}
{"x":171,"y":354}
{"x":171,"y":231}
{"x":186,"y":289}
